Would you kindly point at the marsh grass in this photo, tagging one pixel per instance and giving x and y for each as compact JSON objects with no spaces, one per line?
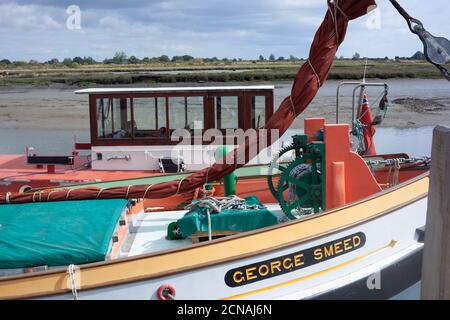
{"x":246,"y":71}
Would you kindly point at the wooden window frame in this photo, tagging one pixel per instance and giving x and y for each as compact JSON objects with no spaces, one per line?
{"x":244,"y":113}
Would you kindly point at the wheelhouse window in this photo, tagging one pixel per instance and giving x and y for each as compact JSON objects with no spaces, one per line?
{"x":150,"y":117}
{"x":258,"y":112}
{"x":226,"y":111}
{"x":186,"y":113}
{"x":114,"y":118}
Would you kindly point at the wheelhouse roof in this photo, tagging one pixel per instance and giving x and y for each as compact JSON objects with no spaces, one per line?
{"x":173,"y":89}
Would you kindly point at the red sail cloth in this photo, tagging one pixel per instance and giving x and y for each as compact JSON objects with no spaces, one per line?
{"x":308,"y":81}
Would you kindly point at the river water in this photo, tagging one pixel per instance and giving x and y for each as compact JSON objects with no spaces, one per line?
{"x":54,"y":126}
{"x":415,"y":142}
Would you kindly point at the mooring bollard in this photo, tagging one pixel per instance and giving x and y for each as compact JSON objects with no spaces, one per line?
{"x":436,"y":256}
{"x":228,"y":181}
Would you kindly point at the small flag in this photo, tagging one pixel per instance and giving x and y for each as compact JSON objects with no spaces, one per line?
{"x":369,"y":130}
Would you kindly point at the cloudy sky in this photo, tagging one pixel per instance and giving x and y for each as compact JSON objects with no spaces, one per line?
{"x":36,"y":29}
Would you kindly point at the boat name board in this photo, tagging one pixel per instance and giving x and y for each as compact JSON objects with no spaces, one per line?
{"x":295,"y":261}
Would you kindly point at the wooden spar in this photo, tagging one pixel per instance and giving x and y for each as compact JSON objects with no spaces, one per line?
{"x":436,"y":258}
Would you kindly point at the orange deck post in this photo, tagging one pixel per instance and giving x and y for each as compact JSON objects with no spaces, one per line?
{"x":312,"y":127}
{"x":338,"y":184}
{"x":358,"y":181}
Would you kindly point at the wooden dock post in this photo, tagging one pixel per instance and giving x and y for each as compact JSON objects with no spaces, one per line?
{"x":436,"y":256}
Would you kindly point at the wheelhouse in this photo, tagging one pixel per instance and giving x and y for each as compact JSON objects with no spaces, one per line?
{"x":149,"y":116}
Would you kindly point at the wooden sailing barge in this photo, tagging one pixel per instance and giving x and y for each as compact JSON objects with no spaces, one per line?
{"x":338,"y":219}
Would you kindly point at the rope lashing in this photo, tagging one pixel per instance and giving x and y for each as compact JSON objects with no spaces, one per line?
{"x":293,"y":106}
{"x":397,"y":167}
{"x":71,"y":270}
{"x":334,"y":16}
{"x":315,"y":73}
{"x":334,"y":13}
{"x":48,"y":195}
{"x":99,"y":193}
{"x":146,"y":190}
{"x":128,"y":191}
{"x":179,"y":185}
{"x":8,"y":194}
{"x":68,"y":194}
{"x":340,"y":10}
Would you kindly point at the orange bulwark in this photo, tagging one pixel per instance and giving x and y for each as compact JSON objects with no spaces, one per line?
{"x":348,"y":178}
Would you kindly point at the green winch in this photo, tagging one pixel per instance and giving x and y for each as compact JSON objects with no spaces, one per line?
{"x":300,"y":189}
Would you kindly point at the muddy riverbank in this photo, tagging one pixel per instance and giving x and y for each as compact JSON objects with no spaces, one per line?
{"x":414,"y":104}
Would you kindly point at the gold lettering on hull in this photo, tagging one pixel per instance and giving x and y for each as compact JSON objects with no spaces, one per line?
{"x":299,"y":260}
{"x":337,"y":248}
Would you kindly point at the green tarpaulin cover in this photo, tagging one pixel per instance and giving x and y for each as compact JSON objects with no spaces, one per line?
{"x":57,"y":233}
{"x":227,"y":220}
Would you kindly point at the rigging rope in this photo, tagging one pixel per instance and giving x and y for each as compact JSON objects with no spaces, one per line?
{"x":216,"y":205}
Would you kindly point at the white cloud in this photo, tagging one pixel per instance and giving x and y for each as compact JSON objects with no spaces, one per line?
{"x":13,"y":16}
{"x":234,"y":28}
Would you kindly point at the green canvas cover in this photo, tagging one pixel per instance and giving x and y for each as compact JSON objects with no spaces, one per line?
{"x":227,"y":220}
{"x":57,"y":233}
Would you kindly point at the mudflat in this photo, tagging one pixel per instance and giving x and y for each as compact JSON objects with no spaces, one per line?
{"x":414,"y":103}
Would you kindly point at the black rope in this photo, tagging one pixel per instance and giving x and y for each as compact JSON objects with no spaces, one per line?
{"x":401,"y":10}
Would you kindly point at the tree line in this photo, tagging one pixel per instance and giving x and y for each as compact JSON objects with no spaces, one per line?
{"x":122,"y":58}
{"x":416,"y":56}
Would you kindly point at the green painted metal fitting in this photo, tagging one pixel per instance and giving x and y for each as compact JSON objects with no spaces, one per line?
{"x":228,"y":181}
{"x":300,"y":140}
{"x":320,"y":135}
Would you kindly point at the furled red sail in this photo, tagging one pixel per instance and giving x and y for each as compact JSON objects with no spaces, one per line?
{"x":311,"y":76}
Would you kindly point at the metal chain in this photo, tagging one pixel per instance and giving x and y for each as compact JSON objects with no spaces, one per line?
{"x":392,"y":162}
{"x":217,"y":204}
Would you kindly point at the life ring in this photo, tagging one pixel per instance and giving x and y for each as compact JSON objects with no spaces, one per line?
{"x":166,"y":292}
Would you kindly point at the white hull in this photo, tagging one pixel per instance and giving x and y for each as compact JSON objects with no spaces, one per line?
{"x":389,"y":239}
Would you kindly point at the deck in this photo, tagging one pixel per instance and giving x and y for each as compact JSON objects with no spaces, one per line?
{"x":148,"y":232}
{"x":15,"y":172}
